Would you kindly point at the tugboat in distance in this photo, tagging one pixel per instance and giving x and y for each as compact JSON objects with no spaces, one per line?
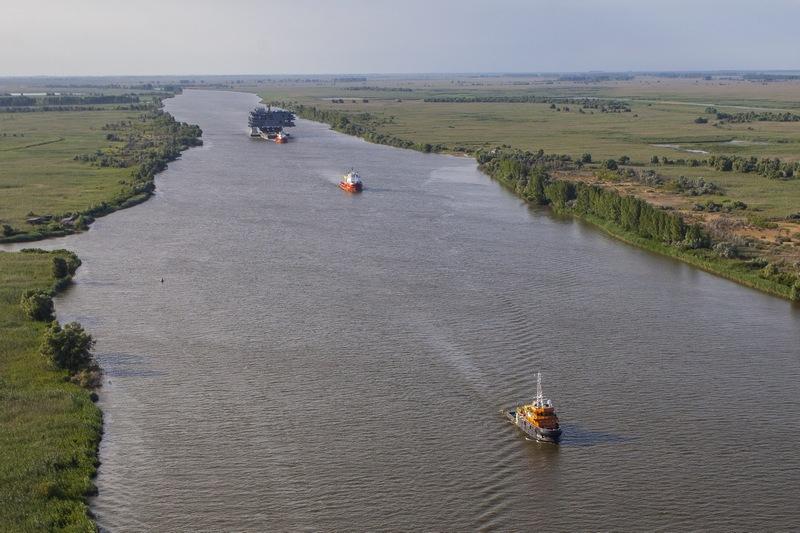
{"x":538,"y":419}
{"x":351,"y":182}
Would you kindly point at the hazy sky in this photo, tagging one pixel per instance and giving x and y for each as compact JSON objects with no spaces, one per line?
{"x":97,"y":37}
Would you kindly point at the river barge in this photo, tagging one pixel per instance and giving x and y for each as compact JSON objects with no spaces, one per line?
{"x":538,"y":419}
{"x":268,"y":124}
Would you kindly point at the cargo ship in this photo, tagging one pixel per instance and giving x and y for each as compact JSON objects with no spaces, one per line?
{"x":351,"y":182}
{"x":538,"y":420}
{"x":268,"y":124}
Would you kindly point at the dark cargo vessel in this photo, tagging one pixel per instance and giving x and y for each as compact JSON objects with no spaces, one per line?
{"x":268,"y":123}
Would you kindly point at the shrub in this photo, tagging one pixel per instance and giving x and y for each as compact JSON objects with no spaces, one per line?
{"x":610,"y":164}
{"x":794,"y":294}
{"x":726,"y":250}
{"x":586,"y":158}
{"x":60,"y":268}
{"x":695,"y":238}
{"x":37,"y":305}
{"x":761,"y":222}
{"x":69,"y":347}
{"x":7,"y":230}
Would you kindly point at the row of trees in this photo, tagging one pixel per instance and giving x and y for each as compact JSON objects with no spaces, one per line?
{"x":67,"y":100}
{"x":586,"y":103}
{"x":757,"y":116}
{"x":772,"y":168}
{"x":528,"y":174}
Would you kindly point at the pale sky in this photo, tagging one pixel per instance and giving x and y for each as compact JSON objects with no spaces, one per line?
{"x":143,"y":37}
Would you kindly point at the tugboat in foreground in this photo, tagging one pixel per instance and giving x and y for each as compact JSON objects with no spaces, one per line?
{"x":351,"y":182}
{"x":538,"y":419}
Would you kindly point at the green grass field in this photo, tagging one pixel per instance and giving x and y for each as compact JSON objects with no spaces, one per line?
{"x":50,"y":426}
{"x":662,"y":112}
{"x":37,"y":170}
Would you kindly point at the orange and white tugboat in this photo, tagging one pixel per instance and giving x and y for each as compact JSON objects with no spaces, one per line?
{"x":351,"y":182}
{"x":538,"y":419}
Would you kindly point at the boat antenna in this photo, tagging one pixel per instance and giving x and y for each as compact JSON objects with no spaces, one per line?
{"x":539,"y":395}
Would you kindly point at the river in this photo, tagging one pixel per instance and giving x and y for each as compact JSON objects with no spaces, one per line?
{"x":318,"y":360}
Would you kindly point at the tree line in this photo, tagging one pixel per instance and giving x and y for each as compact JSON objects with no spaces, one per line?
{"x":67,"y":100}
{"x":610,"y":106}
{"x":757,"y":116}
{"x":528,"y":174}
{"x":772,"y":168}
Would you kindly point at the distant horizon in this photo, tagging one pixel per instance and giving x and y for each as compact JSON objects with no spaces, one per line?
{"x":151,"y":38}
{"x":393,"y":74}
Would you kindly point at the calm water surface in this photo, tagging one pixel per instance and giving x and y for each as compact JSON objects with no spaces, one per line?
{"x":323,"y":361}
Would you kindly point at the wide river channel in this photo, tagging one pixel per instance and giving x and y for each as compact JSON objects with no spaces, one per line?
{"x":317,"y":360}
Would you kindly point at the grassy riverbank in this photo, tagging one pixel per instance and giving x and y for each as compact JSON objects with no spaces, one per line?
{"x":656,"y":139}
{"x":632,"y":220}
{"x":51,"y":428}
{"x":59,"y":170}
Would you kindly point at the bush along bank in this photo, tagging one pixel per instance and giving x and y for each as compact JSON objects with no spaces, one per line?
{"x":629,"y":218}
{"x":51,"y":425}
{"x":145,"y":145}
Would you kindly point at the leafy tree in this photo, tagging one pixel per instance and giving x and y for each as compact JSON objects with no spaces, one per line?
{"x":69,"y":347}
{"x":60,"y":268}
{"x":536,"y":187}
{"x":794,"y":294}
{"x":610,"y":164}
{"x":586,"y":158}
{"x":7,"y":230}
{"x":37,"y":305}
{"x":695,"y":238}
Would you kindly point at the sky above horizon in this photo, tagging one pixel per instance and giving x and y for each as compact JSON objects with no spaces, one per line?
{"x":113,"y":37}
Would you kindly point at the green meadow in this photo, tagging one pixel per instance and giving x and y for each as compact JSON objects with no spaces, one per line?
{"x":38,"y":172}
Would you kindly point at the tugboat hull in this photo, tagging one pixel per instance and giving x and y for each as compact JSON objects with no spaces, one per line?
{"x":350,"y":187}
{"x":540,"y":434}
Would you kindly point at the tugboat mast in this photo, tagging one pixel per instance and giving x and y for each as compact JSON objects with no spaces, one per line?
{"x":539,"y":395}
